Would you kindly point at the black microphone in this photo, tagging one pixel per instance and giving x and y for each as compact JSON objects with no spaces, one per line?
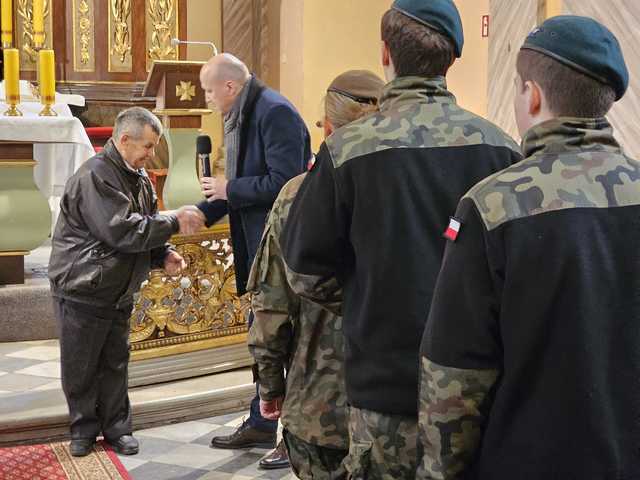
{"x":203,"y":149}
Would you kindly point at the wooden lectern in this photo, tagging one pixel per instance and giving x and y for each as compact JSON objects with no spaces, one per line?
{"x":180,"y":104}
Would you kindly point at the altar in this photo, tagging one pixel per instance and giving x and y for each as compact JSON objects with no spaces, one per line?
{"x":37,"y":156}
{"x":61,"y":145}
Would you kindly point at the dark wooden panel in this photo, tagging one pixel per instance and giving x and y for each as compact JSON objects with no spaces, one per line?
{"x":12,"y":270}
{"x":251,"y":32}
{"x":16,"y":150}
{"x":173,"y":80}
{"x":187,"y":121}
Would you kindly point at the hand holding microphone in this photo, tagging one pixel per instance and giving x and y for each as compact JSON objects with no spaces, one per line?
{"x":214,"y":188}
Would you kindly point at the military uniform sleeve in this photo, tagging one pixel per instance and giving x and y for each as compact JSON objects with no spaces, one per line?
{"x":273,"y":305}
{"x":107,"y":213}
{"x":461,"y":353}
{"x":314,"y":240}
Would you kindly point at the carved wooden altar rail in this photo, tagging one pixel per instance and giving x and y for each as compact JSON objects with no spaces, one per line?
{"x":198,"y":309}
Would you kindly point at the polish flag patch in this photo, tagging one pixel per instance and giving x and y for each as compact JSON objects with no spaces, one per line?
{"x":452,"y":231}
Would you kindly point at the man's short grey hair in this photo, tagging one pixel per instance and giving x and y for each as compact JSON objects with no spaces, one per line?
{"x":132,"y":122}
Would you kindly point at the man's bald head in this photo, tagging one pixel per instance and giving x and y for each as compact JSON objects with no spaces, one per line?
{"x":223,"y":78}
{"x":226,"y":67}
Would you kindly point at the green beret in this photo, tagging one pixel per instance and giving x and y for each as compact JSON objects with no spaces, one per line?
{"x":441,"y":15}
{"x":584,"y":45}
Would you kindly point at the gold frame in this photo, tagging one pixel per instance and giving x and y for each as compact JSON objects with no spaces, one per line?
{"x":76,"y":39}
{"x":157,"y":317}
{"x":18,"y":163}
{"x":128,"y":66}
{"x":181,"y":112}
{"x":29,"y":61}
{"x":149,"y":32}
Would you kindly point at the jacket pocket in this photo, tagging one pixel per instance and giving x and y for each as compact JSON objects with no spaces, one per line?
{"x":112,"y":271}
{"x":83,"y":277}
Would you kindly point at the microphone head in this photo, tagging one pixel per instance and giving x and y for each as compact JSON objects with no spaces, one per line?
{"x":203,"y":145}
{"x":175,"y":41}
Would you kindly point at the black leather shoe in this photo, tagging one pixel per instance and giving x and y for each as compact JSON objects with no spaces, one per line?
{"x":124,"y":445}
{"x":81,"y":447}
{"x":245,"y":437}
{"x":278,"y":458}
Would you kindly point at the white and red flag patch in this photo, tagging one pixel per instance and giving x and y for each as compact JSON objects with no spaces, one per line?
{"x":452,"y":231}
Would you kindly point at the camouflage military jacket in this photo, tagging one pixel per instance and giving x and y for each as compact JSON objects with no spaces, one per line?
{"x":530,"y":358}
{"x":369,"y":218}
{"x":300,"y":335}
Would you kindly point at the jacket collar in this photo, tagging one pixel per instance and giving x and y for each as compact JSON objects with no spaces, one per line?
{"x":112,"y":153}
{"x":410,"y":90}
{"x":566,"y":135}
{"x":254,"y":88}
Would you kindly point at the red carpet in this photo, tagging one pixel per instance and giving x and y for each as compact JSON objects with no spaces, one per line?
{"x":53,"y":461}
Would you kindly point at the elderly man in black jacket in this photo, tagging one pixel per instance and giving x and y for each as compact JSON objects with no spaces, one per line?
{"x":109,"y":234}
{"x":267,"y":144}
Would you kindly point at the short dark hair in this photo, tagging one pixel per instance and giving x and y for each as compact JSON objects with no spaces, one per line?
{"x":415,"y":48}
{"x":569,"y":92}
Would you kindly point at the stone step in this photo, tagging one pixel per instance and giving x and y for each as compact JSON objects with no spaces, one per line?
{"x":42,"y":416}
{"x":187,"y":365}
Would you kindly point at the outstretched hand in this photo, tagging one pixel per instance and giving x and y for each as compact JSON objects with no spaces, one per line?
{"x":190,"y":218}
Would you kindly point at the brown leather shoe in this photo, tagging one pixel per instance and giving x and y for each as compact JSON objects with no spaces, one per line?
{"x":278,"y":458}
{"x":245,"y":437}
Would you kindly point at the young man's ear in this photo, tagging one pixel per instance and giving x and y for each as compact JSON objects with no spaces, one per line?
{"x":385,"y":55}
{"x":534,"y":97}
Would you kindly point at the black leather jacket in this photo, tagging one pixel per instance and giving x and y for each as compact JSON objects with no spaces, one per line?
{"x":109,"y":233}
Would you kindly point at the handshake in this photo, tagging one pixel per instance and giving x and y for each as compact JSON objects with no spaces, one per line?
{"x":190,"y":218}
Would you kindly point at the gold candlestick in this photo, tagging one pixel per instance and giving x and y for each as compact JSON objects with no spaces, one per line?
{"x":6,"y":24}
{"x":12,"y":81}
{"x":47,"y":77}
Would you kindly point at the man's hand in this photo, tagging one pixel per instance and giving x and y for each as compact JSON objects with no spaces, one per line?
{"x":190,"y":218}
{"x":271,"y":409}
{"x":214,"y":188}
{"x":174,"y":263}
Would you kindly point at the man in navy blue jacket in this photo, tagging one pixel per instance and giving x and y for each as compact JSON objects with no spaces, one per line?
{"x":267,"y":143}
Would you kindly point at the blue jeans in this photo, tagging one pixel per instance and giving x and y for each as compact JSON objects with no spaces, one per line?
{"x":256,"y":420}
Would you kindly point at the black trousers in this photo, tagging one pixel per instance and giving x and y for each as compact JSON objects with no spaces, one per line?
{"x":94,"y":348}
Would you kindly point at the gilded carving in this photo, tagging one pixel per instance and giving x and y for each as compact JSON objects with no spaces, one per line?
{"x":25,"y":15}
{"x":162,"y":26}
{"x":120,"y":36}
{"x":83,"y":35}
{"x":198,"y":304}
{"x":185,"y":91}
{"x":121,"y":9}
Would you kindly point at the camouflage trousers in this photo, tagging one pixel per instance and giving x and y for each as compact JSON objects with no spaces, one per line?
{"x":310,"y":461}
{"x":382,"y":446}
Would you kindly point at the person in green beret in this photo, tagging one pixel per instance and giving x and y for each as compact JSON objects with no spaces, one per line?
{"x":369,"y":219}
{"x":530,"y":362}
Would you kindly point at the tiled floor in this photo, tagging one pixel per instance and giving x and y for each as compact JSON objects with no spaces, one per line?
{"x":173,"y":452}
{"x":26,"y":366}
{"x":182,"y":451}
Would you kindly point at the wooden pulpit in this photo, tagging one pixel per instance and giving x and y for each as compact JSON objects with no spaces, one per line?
{"x":180,"y":104}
